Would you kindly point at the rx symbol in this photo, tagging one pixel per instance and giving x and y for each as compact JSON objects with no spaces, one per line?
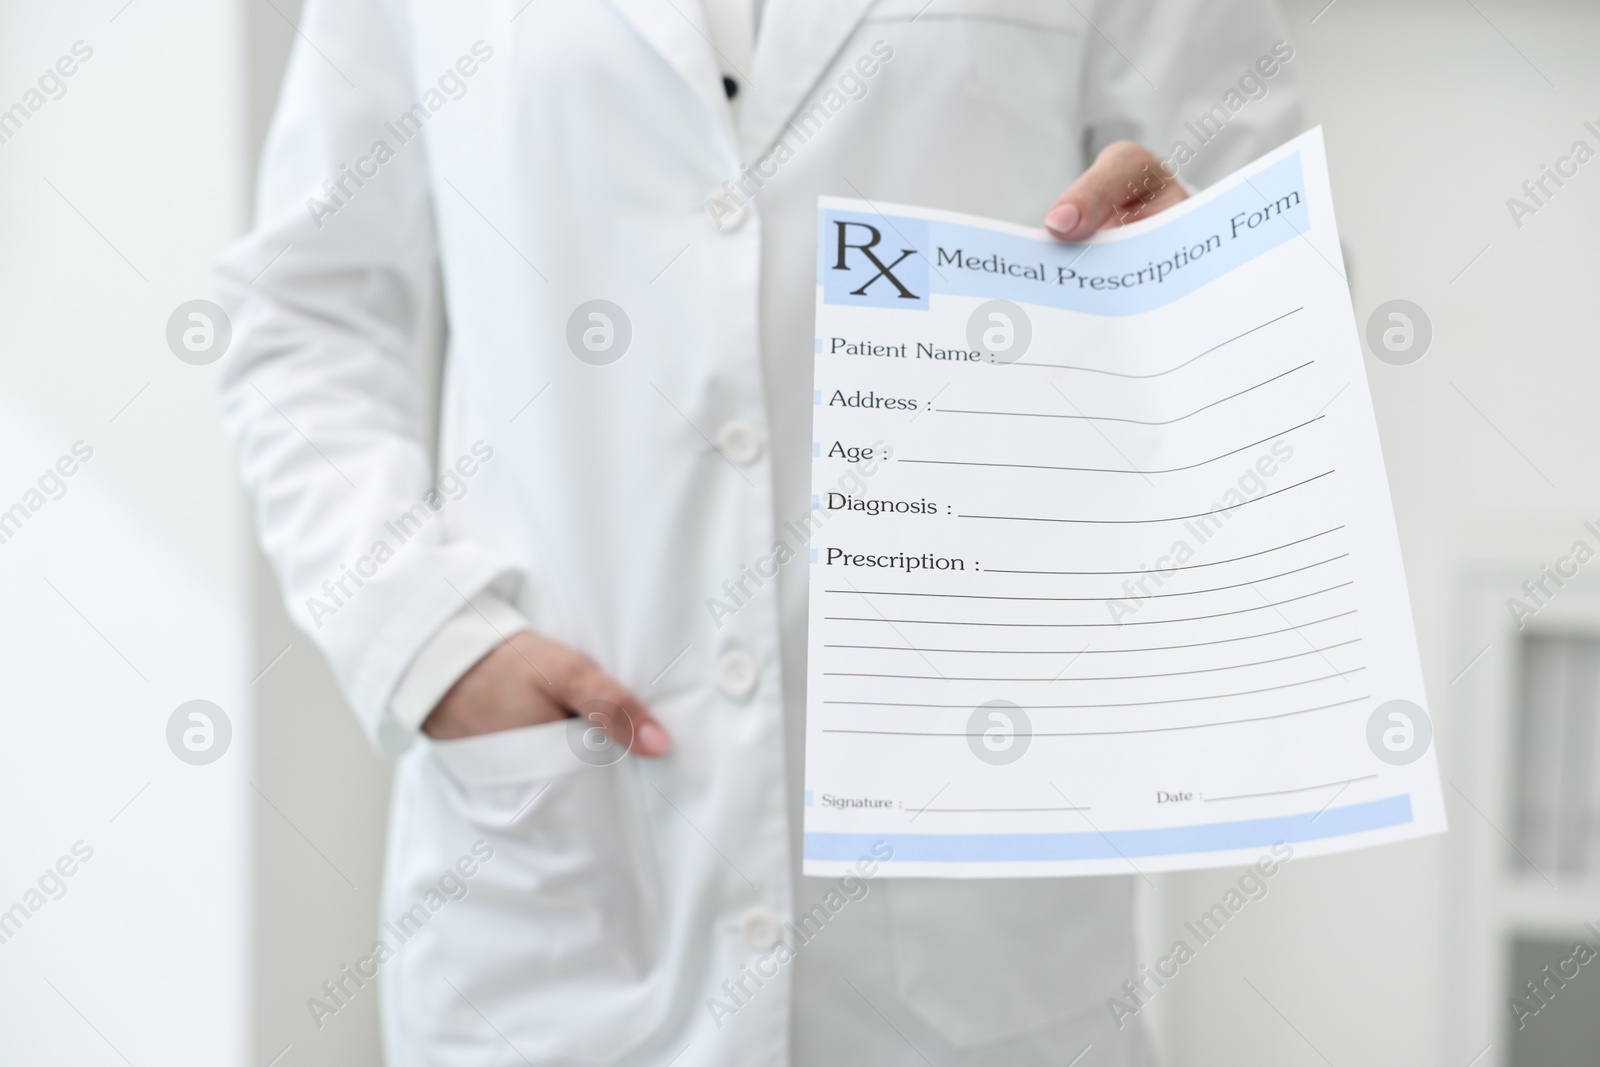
{"x":866,"y":249}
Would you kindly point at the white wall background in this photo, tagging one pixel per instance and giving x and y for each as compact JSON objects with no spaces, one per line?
{"x":129,"y":595}
{"x":222,"y":896}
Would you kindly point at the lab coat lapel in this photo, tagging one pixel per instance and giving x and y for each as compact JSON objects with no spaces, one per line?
{"x":677,"y":29}
{"x":797,"y":42}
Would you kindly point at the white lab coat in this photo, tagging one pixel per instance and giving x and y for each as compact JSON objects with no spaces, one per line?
{"x":575,"y":163}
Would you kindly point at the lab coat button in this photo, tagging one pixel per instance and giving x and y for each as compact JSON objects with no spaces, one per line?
{"x":740,"y":441}
{"x":737,"y":674}
{"x":761,"y":930}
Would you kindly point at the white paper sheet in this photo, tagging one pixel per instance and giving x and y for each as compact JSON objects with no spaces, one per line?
{"x":1106,"y":575}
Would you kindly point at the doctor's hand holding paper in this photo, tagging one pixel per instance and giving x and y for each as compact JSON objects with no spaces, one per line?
{"x":610,"y":534}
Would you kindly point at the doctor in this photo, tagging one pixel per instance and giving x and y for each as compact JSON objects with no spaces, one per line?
{"x":619,"y":197}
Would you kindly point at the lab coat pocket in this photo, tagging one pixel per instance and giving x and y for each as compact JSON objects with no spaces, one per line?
{"x":987,"y":960}
{"x":559,"y":942}
{"x":491,"y":769}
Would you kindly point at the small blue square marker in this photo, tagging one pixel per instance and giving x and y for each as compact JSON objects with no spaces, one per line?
{"x":816,"y":503}
{"x":808,"y":798}
{"x":816,"y":448}
{"x":819,"y":344}
{"x":813,"y":555}
{"x":816,"y":396}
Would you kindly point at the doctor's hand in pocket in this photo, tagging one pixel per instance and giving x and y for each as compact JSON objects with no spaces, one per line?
{"x":529,"y":681}
{"x":1126,"y":183}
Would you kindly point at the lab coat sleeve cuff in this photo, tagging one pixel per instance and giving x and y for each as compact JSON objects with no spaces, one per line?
{"x":480,"y":627}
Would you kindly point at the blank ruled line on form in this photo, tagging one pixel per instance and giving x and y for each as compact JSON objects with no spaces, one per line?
{"x":1159,"y":373}
{"x":1113,"y":470}
{"x":1197,"y":566}
{"x":1101,"y":678}
{"x":1099,"y":651}
{"x":1086,"y":625}
{"x":1127,"y":704}
{"x":1163,"y":518}
{"x":1112,"y":733}
{"x":1117,"y":418}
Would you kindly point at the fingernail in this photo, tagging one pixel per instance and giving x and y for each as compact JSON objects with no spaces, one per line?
{"x":1063,"y":217}
{"x":651,"y":740}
